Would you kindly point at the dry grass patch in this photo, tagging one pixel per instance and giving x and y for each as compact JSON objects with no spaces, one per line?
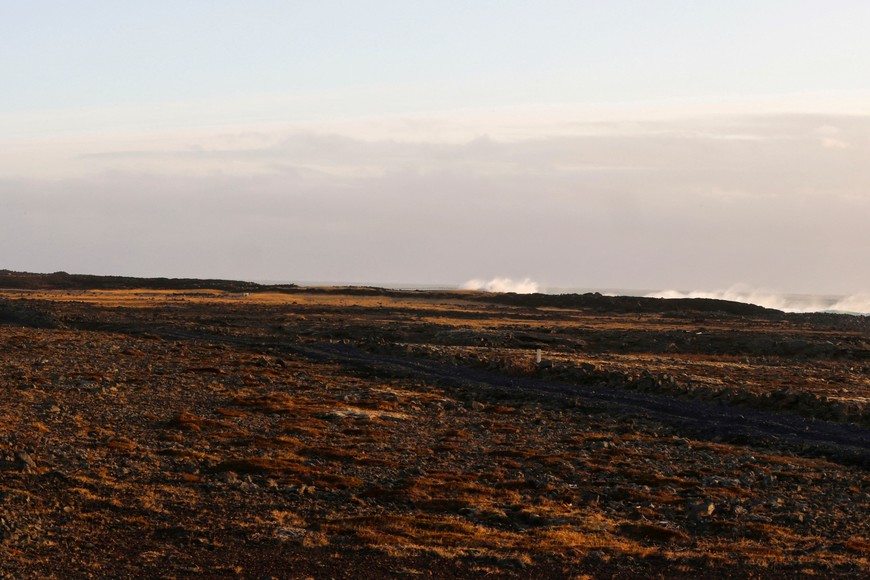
{"x":307,"y":427}
{"x":261,"y":465}
{"x":290,"y":469}
{"x":770,"y":532}
{"x":759,"y":553}
{"x":655,"y":480}
{"x":121,"y":444}
{"x":330,"y":453}
{"x":272,"y":403}
{"x":403,"y":534}
{"x":231,"y":413}
{"x":858,"y":545}
{"x":189,"y":422}
{"x":371,"y":414}
{"x":263,"y":442}
{"x":652,"y":533}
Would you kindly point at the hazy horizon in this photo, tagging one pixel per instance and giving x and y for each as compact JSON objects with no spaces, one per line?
{"x":671,"y":145}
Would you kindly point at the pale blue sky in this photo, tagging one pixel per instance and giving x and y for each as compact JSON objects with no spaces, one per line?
{"x":647,"y":144}
{"x":88,"y":53}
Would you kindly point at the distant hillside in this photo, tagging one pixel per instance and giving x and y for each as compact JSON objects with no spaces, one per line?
{"x":589,"y":301}
{"x":64,"y":281}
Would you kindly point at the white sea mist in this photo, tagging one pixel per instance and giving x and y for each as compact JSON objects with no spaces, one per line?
{"x":851,"y":304}
{"x":524,"y":286}
{"x":858,"y":303}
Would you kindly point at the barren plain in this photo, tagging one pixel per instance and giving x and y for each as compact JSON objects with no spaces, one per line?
{"x":211,"y":429}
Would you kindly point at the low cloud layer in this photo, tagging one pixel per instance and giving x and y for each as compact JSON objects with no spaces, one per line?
{"x":777,"y":201}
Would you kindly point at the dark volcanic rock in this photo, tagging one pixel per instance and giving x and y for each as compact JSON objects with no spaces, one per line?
{"x":600,"y":303}
{"x":15,"y":315}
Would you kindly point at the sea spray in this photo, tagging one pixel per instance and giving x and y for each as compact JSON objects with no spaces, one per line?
{"x":524,"y":286}
{"x":852,"y":304}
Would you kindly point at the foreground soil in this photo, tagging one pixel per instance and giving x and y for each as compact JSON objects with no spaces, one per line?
{"x":250,"y":432}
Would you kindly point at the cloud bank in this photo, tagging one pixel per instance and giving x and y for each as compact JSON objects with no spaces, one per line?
{"x":778,"y":201}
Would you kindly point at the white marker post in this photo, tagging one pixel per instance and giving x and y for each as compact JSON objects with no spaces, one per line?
{"x":538,"y":356}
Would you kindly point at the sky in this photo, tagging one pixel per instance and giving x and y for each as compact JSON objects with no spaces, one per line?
{"x":660,"y":145}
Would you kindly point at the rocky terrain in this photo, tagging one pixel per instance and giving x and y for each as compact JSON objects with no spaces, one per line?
{"x":193,"y":429}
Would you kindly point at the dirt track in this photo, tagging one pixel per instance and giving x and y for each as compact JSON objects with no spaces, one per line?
{"x":701,"y":419}
{"x":841,"y":442}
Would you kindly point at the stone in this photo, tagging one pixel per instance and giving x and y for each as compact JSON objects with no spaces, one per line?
{"x":702,"y":509}
{"x":27,"y":462}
